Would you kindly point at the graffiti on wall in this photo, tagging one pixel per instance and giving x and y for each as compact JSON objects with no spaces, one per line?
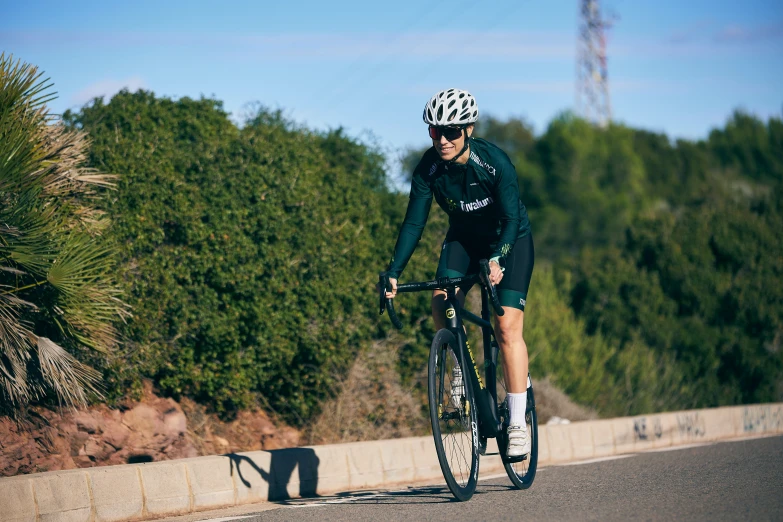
{"x":644,"y":429}
{"x":691,"y":425}
{"x":762,"y":418}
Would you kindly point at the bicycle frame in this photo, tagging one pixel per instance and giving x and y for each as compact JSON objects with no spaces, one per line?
{"x":486,"y":395}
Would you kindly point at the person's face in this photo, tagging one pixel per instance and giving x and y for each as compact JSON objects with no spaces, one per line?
{"x":448,"y":141}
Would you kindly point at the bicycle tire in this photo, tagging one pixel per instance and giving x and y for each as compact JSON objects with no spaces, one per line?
{"x":522,"y":473}
{"x":456,"y":443}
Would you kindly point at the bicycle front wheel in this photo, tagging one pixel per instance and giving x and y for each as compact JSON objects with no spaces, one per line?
{"x":453,"y":416}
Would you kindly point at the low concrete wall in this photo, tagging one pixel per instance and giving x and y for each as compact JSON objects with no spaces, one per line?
{"x":153,"y":490}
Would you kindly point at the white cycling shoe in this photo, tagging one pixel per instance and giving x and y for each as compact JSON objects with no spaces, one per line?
{"x":518,"y":441}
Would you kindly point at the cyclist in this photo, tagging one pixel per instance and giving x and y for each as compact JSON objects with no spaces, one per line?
{"x":475,"y":183}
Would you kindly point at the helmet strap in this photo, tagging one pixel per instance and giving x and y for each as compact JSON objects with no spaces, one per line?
{"x":464,"y":147}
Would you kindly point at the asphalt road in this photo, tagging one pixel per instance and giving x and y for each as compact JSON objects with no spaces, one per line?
{"x":737,"y":480}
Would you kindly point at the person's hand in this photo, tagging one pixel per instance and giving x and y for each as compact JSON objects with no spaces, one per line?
{"x":495,"y":273}
{"x":389,"y":295}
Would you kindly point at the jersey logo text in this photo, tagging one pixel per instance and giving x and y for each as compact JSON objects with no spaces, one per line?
{"x":475,"y":205}
{"x":483,"y":163}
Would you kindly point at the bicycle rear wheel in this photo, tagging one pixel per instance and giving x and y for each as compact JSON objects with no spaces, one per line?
{"x":453,"y":416}
{"x":521,"y":472}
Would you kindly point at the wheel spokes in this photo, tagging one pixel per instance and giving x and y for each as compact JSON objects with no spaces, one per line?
{"x":456,"y":431}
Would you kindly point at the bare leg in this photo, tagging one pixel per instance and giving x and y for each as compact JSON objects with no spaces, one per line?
{"x":508,"y":331}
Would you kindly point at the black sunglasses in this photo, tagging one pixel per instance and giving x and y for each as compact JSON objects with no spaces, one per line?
{"x":450,"y":133}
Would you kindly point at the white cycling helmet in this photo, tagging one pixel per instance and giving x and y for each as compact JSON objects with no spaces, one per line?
{"x":451,"y":107}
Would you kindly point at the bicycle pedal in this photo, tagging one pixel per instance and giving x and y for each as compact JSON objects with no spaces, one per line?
{"x":487,"y":454}
{"x":514,"y":460}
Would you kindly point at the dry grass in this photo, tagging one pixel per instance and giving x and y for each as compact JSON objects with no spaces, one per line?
{"x":551,"y":402}
{"x":251,"y":430}
{"x":372,"y":403}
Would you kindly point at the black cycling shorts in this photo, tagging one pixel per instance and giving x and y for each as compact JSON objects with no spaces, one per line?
{"x":460,"y":257}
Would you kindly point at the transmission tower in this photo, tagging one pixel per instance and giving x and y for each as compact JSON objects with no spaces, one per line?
{"x":592,"y":90}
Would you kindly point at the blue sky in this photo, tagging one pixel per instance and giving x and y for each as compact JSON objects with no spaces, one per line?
{"x":679,"y":67}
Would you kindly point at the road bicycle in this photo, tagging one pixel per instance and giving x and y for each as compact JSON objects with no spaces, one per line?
{"x":466,"y":409}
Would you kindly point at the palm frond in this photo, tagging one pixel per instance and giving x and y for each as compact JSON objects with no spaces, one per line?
{"x":23,"y":118}
{"x":62,"y":173}
{"x":26,"y":237}
{"x":51,"y":259}
{"x":87,"y":305}
{"x":12,"y":270}
{"x":15,"y":350}
{"x":70,"y":379}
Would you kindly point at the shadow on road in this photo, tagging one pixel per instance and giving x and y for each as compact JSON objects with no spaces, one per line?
{"x":412,"y":495}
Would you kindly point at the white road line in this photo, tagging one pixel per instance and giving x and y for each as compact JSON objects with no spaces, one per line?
{"x":225,"y":519}
{"x":599,"y":459}
{"x":684,"y":446}
{"x":346,"y":500}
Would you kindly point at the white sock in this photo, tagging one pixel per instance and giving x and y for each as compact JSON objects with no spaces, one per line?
{"x":517,"y":403}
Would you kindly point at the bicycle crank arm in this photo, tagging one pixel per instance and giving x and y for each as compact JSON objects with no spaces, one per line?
{"x":451,"y":415}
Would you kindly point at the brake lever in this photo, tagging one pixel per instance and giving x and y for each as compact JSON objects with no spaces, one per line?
{"x":386,"y":304}
{"x":383,"y":284}
{"x":491,"y":290}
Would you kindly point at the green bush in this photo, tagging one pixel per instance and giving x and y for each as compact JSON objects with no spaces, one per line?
{"x":750,"y":147}
{"x":703,"y":287}
{"x":248,"y":254}
{"x":592,"y":369}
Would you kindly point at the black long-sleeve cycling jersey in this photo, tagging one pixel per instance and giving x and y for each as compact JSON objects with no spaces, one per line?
{"x":480,"y":197}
